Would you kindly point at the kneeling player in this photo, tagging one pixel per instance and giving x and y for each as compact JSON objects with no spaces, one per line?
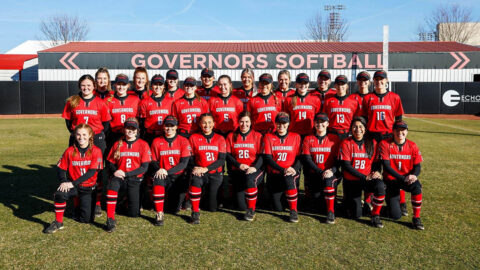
{"x":401,"y":160}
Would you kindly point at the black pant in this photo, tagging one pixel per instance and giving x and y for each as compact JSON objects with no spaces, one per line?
{"x":352,"y":190}
{"x":378,"y":136}
{"x":316,"y":185}
{"x":85,"y":206}
{"x":176,"y":186}
{"x":277,"y":184}
{"x":393,"y":195}
{"x":210,"y":184}
{"x":241,"y":181}
{"x":132,"y":186}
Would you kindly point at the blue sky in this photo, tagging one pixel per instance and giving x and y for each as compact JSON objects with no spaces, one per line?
{"x":214,"y":20}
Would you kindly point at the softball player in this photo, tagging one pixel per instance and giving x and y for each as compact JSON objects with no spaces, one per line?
{"x":283,"y":91}
{"x":323,"y":91}
{"x":244,"y":162}
{"x":102,"y":78}
{"x":207,"y":89}
{"x":77,"y":170}
{"x":281,"y":153}
{"x":140,"y":83}
{"x":363,"y":83}
{"x":264,"y":106}
{"x":248,"y":89}
{"x":170,"y":156}
{"x":209,"y":158}
{"x":172,"y":85}
{"x":401,"y":160}
{"x":128,"y":161}
{"x":361,"y":171}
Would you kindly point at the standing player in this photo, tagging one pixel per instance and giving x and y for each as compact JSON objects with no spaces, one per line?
{"x":264,"y":106}
{"x":361,"y":171}
{"x":323,"y":91}
{"x":248,"y":89}
{"x":363,"y":83}
{"x":401,"y":160}
{"x":283,"y":91}
{"x":209,"y":158}
{"x":170,"y":156}
{"x":319,"y":153}
{"x":77,"y":170}
{"x":207,"y":90}
{"x":189,"y":108}
{"x":140,"y":83}
{"x":128,"y":161}
{"x":341,"y":108}
{"x":102,"y":78}
{"x":244,"y":162}
{"x":172,"y":85}
{"x":281,"y":152}
{"x":225,"y":107}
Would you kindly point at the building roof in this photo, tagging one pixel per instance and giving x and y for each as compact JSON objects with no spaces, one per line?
{"x":259,"y":47}
{"x":30,"y":47}
{"x":14,"y":61}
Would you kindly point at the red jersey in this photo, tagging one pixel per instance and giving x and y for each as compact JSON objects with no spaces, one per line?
{"x":323,"y":95}
{"x":121,"y":109}
{"x":154,"y":110}
{"x":206,"y":151}
{"x":169,"y":154}
{"x":243,"y":95}
{"x":282,"y":95}
{"x":93,"y":113}
{"x":139,"y":94}
{"x":356,"y":154}
{"x":284,"y":151}
{"x":225,"y":112}
{"x":323,"y":152}
{"x":207,"y":93}
{"x":264,"y":109}
{"x":78,"y":164}
{"x":175,"y":95}
{"x":244,"y":148}
{"x":340,"y":111}
{"x":402,"y":157}
{"x":103,"y":95}
{"x":132,"y":155}
{"x":187,"y":111}
{"x":303,"y":113}
{"x":359,"y":98}
{"x":381,"y":111}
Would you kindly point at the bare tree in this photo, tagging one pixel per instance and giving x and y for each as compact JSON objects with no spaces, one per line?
{"x":449,"y":23}
{"x":326,"y":29}
{"x":60,"y":29}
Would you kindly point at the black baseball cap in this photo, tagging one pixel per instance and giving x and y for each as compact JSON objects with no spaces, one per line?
{"x":281,"y":118}
{"x":324,"y":73}
{"x":381,"y":74}
{"x":170,"y":120}
{"x":322,"y":117}
{"x":363,"y":76}
{"x":302,"y":78}
{"x":172,"y":73}
{"x":341,"y":79}
{"x":131,"y":124}
{"x":190,"y":81}
{"x":157,"y":79}
{"x":266,"y":78}
{"x":400,"y":124}
{"x":207,"y":72}
{"x":122,"y":79}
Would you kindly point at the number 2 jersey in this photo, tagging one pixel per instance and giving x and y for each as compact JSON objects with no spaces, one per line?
{"x":206,"y":150}
{"x":121,"y":108}
{"x":381,"y":111}
{"x":355,"y":153}
{"x":92,"y":112}
{"x":168,"y":152}
{"x":283,"y":150}
{"x":132,"y":155}
{"x":76,"y":164}
{"x":402,"y":157}
{"x":324,"y":151}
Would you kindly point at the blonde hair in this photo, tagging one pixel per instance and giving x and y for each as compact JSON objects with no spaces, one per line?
{"x":90,"y":140}
{"x":104,"y":70}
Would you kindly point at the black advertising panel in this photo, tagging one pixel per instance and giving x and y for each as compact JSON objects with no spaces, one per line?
{"x":32,"y":97}
{"x":10,"y":98}
{"x":408,"y":93}
{"x":451,"y":98}
{"x":55,"y":95}
{"x":73,"y":88}
{"x":471,"y":98}
{"x":428,"y":97}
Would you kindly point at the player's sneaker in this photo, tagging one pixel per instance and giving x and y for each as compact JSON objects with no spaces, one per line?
{"x":377,"y":222}
{"x":159,"y":219}
{"x":417,"y":224}
{"x":403,"y":209}
{"x":195,"y":218}
{"x":367,"y":209}
{"x":111,"y":225}
{"x":293,"y":216}
{"x":53,"y":227}
{"x":330,"y":218}
{"x":249,"y":215}
{"x":98,"y":211}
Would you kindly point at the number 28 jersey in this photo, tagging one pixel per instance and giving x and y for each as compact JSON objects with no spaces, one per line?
{"x":132,"y":155}
{"x":355,"y":153}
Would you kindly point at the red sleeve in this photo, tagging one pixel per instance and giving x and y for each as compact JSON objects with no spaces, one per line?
{"x":318,"y":106}
{"x":358,"y":109}
{"x":174,"y":110}
{"x":97,"y":160}
{"x":259,"y":141}
{"x":344,"y":152}
{"x":67,"y":112}
{"x":267,"y":148}
{"x":416,"y":155}
{"x":222,"y":148}
{"x":192,"y":144}
{"x":239,"y":107}
{"x":375,"y":151}
{"x":298,"y":144}
{"x":112,"y":153}
{"x":64,"y":160}
{"x":398,"y":106}
{"x":142,"y":109}
{"x":186,"y":149}
{"x":249,"y":105}
{"x":364,"y":111}
{"x":229,"y":142}
{"x":205,"y":108}
{"x":105,"y":114}
{"x":383,"y":152}
{"x":155,"y":150}
{"x":146,"y":154}
{"x":306,"y":147}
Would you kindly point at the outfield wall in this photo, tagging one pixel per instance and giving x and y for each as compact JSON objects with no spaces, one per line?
{"x":45,"y":97}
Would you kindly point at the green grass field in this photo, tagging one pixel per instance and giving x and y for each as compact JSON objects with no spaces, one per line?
{"x":29,"y":148}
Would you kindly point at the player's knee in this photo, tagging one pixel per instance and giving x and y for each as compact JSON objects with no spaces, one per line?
{"x":416,"y":188}
{"x":158,"y":182}
{"x":60,"y":196}
{"x":379,"y":188}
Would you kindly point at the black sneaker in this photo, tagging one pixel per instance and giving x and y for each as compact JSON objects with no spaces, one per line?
{"x":98,"y":211}
{"x":367,"y":209}
{"x":417,"y":224}
{"x":293,"y":216}
{"x":195,"y":218}
{"x":159,"y":219}
{"x":376,"y":222}
{"x":403,"y":209}
{"x":249,"y":215}
{"x":330,"y":218}
{"x":111,"y":225}
{"x":53,"y":227}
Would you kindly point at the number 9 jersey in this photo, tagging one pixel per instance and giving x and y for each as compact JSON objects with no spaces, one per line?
{"x":132,"y":155}
{"x":168,"y":152}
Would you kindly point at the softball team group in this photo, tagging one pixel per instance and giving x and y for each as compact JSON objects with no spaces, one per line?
{"x":151,"y":140}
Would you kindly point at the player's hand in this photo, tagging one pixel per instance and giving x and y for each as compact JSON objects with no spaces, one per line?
{"x":411,"y":178}
{"x":376,"y":175}
{"x":244,"y":167}
{"x":290,"y":171}
{"x":119,"y":174}
{"x":327,"y":174}
{"x":251,"y":170}
{"x":65,"y":186}
{"x":161,"y":174}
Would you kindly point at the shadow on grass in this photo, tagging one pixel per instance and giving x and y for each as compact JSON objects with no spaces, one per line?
{"x":446,"y":133}
{"x":24,"y":191}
